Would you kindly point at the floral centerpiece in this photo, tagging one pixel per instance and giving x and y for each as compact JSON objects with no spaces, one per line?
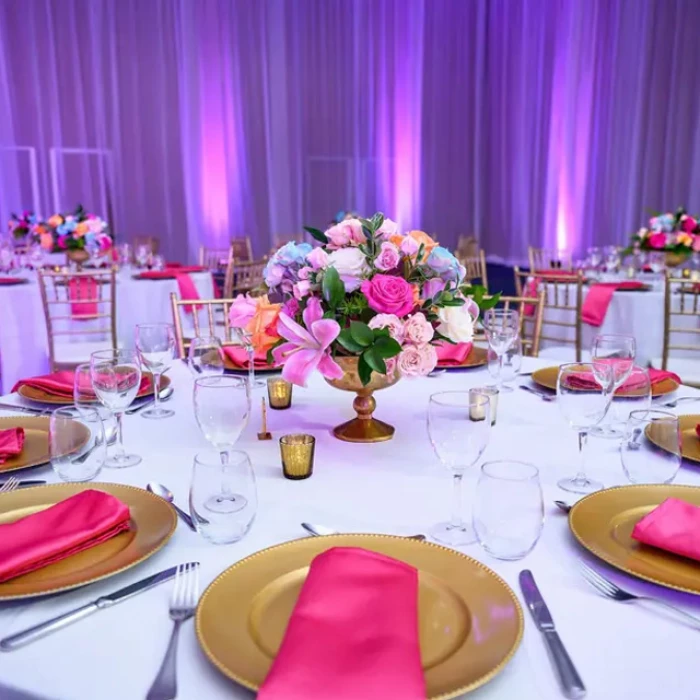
{"x":677,"y":234}
{"x":77,"y":231}
{"x":366,"y":307}
{"x":22,"y":227}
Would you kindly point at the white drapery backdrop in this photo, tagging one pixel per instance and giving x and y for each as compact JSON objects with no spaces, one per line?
{"x":554,"y":122}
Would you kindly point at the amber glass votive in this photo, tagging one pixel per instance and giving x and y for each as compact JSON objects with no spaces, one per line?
{"x":297,"y":455}
{"x":492,"y":393}
{"x":279,"y":393}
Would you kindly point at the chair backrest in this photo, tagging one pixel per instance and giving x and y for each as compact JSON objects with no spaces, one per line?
{"x":153,"y":242}
{"x":242,"y":249}
{"x":475,"y":268}
{"x":531,"y":313}
{"x":467,"y":247}
{"x":215,"y":258}
{"x":243,"y":277}
{"x":563,"y":301}
{"x":548,"y":258}
{"x":280,"y":240}
{"x":78,"y":304}
{"x":681,"y":317}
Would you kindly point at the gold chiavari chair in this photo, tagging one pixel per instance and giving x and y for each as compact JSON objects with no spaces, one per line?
{"x":80,"y":307}
{"x":561,"y":322}
{"x":531,"y":312}
{"x":244,"y":277}
{"x":215,"y":258}
{"x":242,"y":249}
{"x":467,"y":247}
{"x":475,"y":268}
{"x":279,"y":241}
{"x":548,"y":258}
{"x":153,"y":242}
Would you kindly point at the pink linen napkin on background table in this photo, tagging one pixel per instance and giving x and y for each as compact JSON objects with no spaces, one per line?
{"x":61,"y":383}
{"x":10,"y":280}
{"x":79,"y":289}
{"x":66,"y":528}
{"x":673,"y":526}
{"x":598,"y":299}
{"x":586,"y":380}
{"x":11,"y":443}
{"x":239,"y":356}
{"x":185,"y":284}
{"x":353,"y":634}
{"x":449,"y":354}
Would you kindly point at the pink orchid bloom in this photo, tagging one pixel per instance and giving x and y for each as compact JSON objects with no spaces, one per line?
{"x":307,"y":348}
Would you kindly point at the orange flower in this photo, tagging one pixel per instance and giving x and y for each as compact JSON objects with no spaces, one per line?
{"x":55,"y":220}
{"x":421,"y":237}
{"x":81,"y":229}
{"x":263,"y":326}
{"x":416,"y":294}
{"x":46,"y":241}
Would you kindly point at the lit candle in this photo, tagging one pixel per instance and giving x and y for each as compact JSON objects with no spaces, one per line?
{"x":477,"y":412}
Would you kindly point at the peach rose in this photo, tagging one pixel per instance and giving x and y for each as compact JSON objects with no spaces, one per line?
{"x":46,"y":241}
{"x":421,"y":237}
{"x":81,"y":229}
{"x":55,"y":220}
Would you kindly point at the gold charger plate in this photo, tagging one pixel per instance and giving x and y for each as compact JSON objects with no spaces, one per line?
{"x":153,"y":522}
{"x":36,"y":441}
{"x":470,"y":621}
{"x":690,"y":442}
{"x":40,"y":396}
{"x":476,"y":358}
{"x":547,"y":378}
{"x":603,"y":522}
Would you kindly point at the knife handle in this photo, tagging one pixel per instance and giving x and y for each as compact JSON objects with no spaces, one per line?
{"x":31,"y":634}
{"x":570,"y":681}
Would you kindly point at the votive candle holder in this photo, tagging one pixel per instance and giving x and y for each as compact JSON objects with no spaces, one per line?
{"x":477,"y":413}
{"x":297,"y":455}
{"x":279,"y":393}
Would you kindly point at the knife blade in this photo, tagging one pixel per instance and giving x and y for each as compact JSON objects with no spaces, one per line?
{"x":31,"y":634}
{"x":569,"y":679}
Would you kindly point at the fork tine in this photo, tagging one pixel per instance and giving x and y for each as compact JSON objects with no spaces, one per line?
{"x":597,"y":581}
{"x":602,"y":580}
{"x":175,"y":595}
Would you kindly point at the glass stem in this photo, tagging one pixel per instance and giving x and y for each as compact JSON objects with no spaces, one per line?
{"x":456,"y":519}
{"x":156,"y":391}
{"x":121,"y":452}
{"x":499,"y":378}
{"x":225,"y":487}
{"x":582,"y":442}
{"x":251,"y":366}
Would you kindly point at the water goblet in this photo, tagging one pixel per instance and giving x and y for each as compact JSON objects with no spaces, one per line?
{"x":155,"y":343}
{"x":509,"y":367}
{"x":116,"y":379}
{"x":246,"y":340}
{"x":205,"y":356}
{"x":77,"y":448}
{"x":651,"y":448}
{"x":502,"y":329}
{"x":143,"y":255}
{"x":84,"y":397}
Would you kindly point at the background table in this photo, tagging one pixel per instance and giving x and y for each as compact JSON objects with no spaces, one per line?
{"x":23,"y":342}
{"x":623,"y":651}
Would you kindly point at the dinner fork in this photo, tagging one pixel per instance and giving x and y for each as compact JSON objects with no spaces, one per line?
{"x":10,"y":485}
{"x":183,"y":603}
{"x":541,"y":394}
{"x":612,"y":590}
{"x":675,"y":402}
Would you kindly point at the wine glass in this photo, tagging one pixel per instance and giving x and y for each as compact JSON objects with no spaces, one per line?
{"x":612,"y":258}
{"x":76,"y":443}
{"x":510,"y":365}
{"x":116,"y":379}
{"x":143,"y":255}
{"x":205,"y":356}
{"x":84,"y":397}
{"x":35,"y":256}
{"x":246,"y":340}
{"x":584,"y":401}
{"x":156,"y":345}
{"x":617,"y":352}
{"x":502,"y":328}
{"x":124,"y":254}
{"x":634,"y":395}
{"x":595,"y":257}
{"x":656,"y":459}
{"x":459,"y":426}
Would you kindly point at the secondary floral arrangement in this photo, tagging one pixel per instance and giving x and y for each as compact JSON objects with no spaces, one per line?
{"x":75,"y":231}
{"x":676,"y":232}
{"x":369,"y":292}
{"x":22,"y":226}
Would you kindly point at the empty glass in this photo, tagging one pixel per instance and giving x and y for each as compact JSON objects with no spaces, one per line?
{"x":222,"y":409}
{"x":205,"y":356}
{"x":246,"y":340}
{"x":502,"y":329}
{"x":651,"y":449}
{"x":143,"y":255}
{"x":84,"y":397}
{"x":459,"y":426}
{"x":508,"y":509}
{"x":77,"y":448}
{"x":223,"y":497}
{"x":116,"y":378}
{"x":509,"y":365}
{"x":156,"y":345}
{"x":634,"y":395}
{"x":612,"y":258}
{"x":583,"y":402}
{"x":595,"y":258}
{"x":124,"y":254}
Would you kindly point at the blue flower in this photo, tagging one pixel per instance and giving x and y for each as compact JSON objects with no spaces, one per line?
{"x":292,"y":254}
{"x":445,"y":265}
{"x":62,"y":229}
{"x":662,"y":224}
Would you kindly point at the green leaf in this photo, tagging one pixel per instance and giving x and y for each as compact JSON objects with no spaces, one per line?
{"x":364,"y":370}
{"x":486,"y":304}
{"x":366,"y":223}
{"x":377,"y":220}
{"x":346,"y":340}
{"x":452,"y":302}
{"x":333,"y":288}
{"x":386,"y":347}
{"x":419,"y":254}
{"x":317,"y":234}
{"x":373,"y":359}
{"x":361,"y":333}
{"x":380,"y":333}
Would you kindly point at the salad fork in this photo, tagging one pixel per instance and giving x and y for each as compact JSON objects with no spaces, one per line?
{"x":612,"y":590}
{"x":183,"y":603}
{"x":10,"y":485}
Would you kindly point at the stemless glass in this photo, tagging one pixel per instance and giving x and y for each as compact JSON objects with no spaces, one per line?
{"x":459,"y":440}
{"x":246,"y":340}
{"x":223,"y":497}
{"x":84,"y":397}
{"x":77,"y":447}
{"x":656,"y":459}
{"x":508,"y":509}
{"x":116,"y":378}
{"x":583,"y":402}
{"x":509,"y":367}
{"x":156,"y":345}
{"x":502,"y":329}
{"x":205,"y":356}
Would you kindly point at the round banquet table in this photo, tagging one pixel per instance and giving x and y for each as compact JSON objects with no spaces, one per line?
{"x":621,"y":650}
{"x":23,"y":341}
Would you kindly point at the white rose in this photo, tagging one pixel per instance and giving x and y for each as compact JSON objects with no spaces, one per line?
{"x":456,"y":323}
{"x":351,"y":265}
{"x":388,"y":229}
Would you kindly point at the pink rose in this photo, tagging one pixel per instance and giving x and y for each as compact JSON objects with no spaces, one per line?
{"x":290,"y":307}
{"x":409,"y":246}
{"x":696,"y":244}
{"x":390,"y":321}
{"x":657,"y":240}
{"x":387,"y":294}
{"x":318,"y":259}
{"x":302,"y":289}
{"x":345,"y":233}
{"x":242,"y":311}
{"x":388,"y":257}
{"x":304,"y":273}
{"x":390,"y":366}
{"x":418,"y":330}
{"x":388,"y":228}
{"x":417,"y":360}
{"x":688,"y":223}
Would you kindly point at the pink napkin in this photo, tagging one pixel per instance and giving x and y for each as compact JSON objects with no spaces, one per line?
{"x":353,"y":634}
{"x":239,"y":357}
{"x":188,"y":290}
{"x":586,"y":380}
{"x":80,"y":522}
{"x":674,"y":526}
{"x":599,"y":296}
{"x":61,"y":383}
{"x":170,"y":272}
{"x":450,"y":355}
{"x":532,"y":288}
{"x":11,"y":443}
{"x":10,"y":280}
{"x":79,"y":289}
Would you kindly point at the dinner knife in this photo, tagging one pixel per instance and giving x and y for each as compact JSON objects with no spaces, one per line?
{"x":31,"y":634}
{"x":569,"y":679}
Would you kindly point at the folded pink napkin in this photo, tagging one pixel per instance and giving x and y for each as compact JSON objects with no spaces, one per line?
{"x":170,"y":272}
{"x":674,"y":526}
{"x":599,"y":296}
{"x":80,"y":522}
{"x":353,"y":634}
{"x":586,"y":380}
{"x":61,"y":384}
{"x":10,"y":280}
{"x":11,"y":443}
{"x":82,"y":292}
{"x":450,"y":355}
{"x":239,"y":357}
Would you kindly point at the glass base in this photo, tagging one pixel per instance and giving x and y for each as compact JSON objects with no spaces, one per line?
{"x":226,"y":503}
{"x":259,"y":384}
{"x":505,"y":389}
{"x":608,"y":432}
{"x":579,"y":485}
{"x":122,"y":461}
{"x":157,"y":413}
{"x":455,"y":536}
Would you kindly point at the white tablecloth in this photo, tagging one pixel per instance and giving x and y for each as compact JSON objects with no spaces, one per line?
{"x":621,"y":650}
{"x":23,"y":342}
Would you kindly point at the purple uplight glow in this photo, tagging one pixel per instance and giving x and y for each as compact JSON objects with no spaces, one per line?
{"x":214,"y":183}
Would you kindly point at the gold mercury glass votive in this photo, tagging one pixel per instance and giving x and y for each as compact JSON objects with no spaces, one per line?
{"x":297,"y":455}
{"x":476,"y":412}
{"x":279,"y":393}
